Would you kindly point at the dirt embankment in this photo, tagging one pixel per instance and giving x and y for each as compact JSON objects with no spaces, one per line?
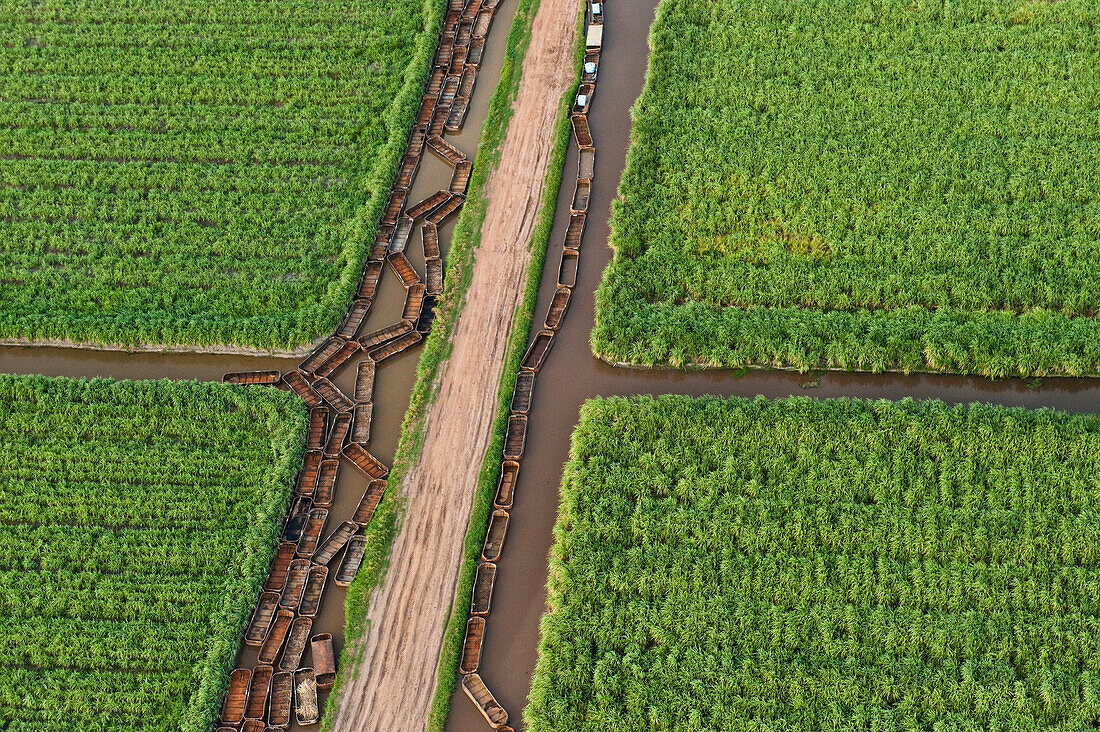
{"x":396,"y":680}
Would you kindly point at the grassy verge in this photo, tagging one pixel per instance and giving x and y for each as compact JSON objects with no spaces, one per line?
{"x":464,"y":242}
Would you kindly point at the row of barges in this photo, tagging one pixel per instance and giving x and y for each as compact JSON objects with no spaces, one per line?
{"x":281,"y":683}
{"x":515,"y":438}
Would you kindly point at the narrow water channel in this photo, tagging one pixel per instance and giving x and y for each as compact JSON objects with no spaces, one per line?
{"x":393,"y":380}
{"x":571,"y":375}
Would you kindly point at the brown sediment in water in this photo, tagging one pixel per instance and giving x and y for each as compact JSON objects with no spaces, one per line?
{"x":571,"y":374}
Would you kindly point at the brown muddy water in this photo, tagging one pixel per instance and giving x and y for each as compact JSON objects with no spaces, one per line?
{"x":571,"y":375}
{"x":393,"y":380}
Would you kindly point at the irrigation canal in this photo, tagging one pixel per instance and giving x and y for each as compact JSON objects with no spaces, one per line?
{"x":393,"y":380}
{"x":570,"y":375}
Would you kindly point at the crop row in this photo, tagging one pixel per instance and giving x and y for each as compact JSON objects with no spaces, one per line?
{"x":195,"y":174}
{"x":863,"y":186}
{"x":706,"y":575}
{"x":137,"y":523}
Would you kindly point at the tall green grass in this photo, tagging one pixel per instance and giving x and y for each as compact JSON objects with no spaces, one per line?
{"x":823,"y":565}
{"x":139,"y":520}
{"x":861,"y":185}
{"x":189,"y":173}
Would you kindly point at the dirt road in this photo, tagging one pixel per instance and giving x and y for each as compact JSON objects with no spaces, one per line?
{"x":396,"y":680}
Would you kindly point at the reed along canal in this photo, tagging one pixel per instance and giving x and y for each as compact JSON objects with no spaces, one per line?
{"x":571,"y":375}
{"x":393,"y":380}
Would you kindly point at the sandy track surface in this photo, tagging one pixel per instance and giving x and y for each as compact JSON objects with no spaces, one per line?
{"x":393,"y":687}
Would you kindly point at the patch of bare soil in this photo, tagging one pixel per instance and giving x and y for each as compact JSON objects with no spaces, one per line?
{"x":394,"y":685}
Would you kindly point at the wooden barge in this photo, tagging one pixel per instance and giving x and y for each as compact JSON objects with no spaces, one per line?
{"x":581,"y":130}
{"x":335,"y":542}
{"x":353,"y":557}
{"x":464,"y":33}
{"x":483,"y":22}
{"x":450,"y":86}
{"x":423,"y":117}
{"x":282,"y":698}
{"x":369,"y":502}
{"x":384,"y":335}
{"x":414,"y":301}
{"x":567,"y":269}
{"x":258,"y":690}
{"x":318,"y":426}
{"x":461,"y":177}
{"x":416,"y":140}
{"x":439,"y":119}
{"x":366,"y":462}
{"x":427,"y":206}
{"x":458,"y":62}
{"x":433,"y":276}
{"x":326,"y":483}
{"x":335,"y":398}
{"x":410,"y":163}
{"x":403,"y":268}
{"x":476,"y":52}
{"x":314,"y":592}
{"x":280,"y":565}
{"x":555,"y":314}
{"x":400,"y":239}
{"x":595,"y":13}
{"x":581,"y":195}
{"x":429,"y":234}
{"x":353,"y":321}
{"x":302,"y":388}
{"x":324,"y":660}
{"x":322,"y":353}
{"x":262,"y":618}
{"x":252,"y":378}
{"x":445,"y":211}
{"x":269,"y":651}
{"x":394,"y":347}
{"x":590,"y":68}
{"x":296,"y":519}
{"x":253,"y":725}
{"x":372,"y":273}
{"x":593,"y":39}
{"x":311,"y":534}
{"x":446,"y":152}
{"x":584,"y":99}
{"x":306,"y":708}
{"x":523,"y":393}
{"x":295,"y":583}
{"x":515,"y":438}
{"x":471,"y":646}
{"x":341,"y":357}
{"x":364,"y":381}
{"x":457,"y":116}
{"x":575,"y":232}
{"x":484,"y":580}
{"x":360,"y":426}
{"x":338,"y":435}
{"x":586,"y":163}
{"x":296,"y":641}
{"x":482,"y":698}
{"x":494,"y":536}
{"x":394,"y":206}
{"x":537,"y":351}
{"x":236,"y":697}
{"x":506,"y":485}
{"x":307,"y":477}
